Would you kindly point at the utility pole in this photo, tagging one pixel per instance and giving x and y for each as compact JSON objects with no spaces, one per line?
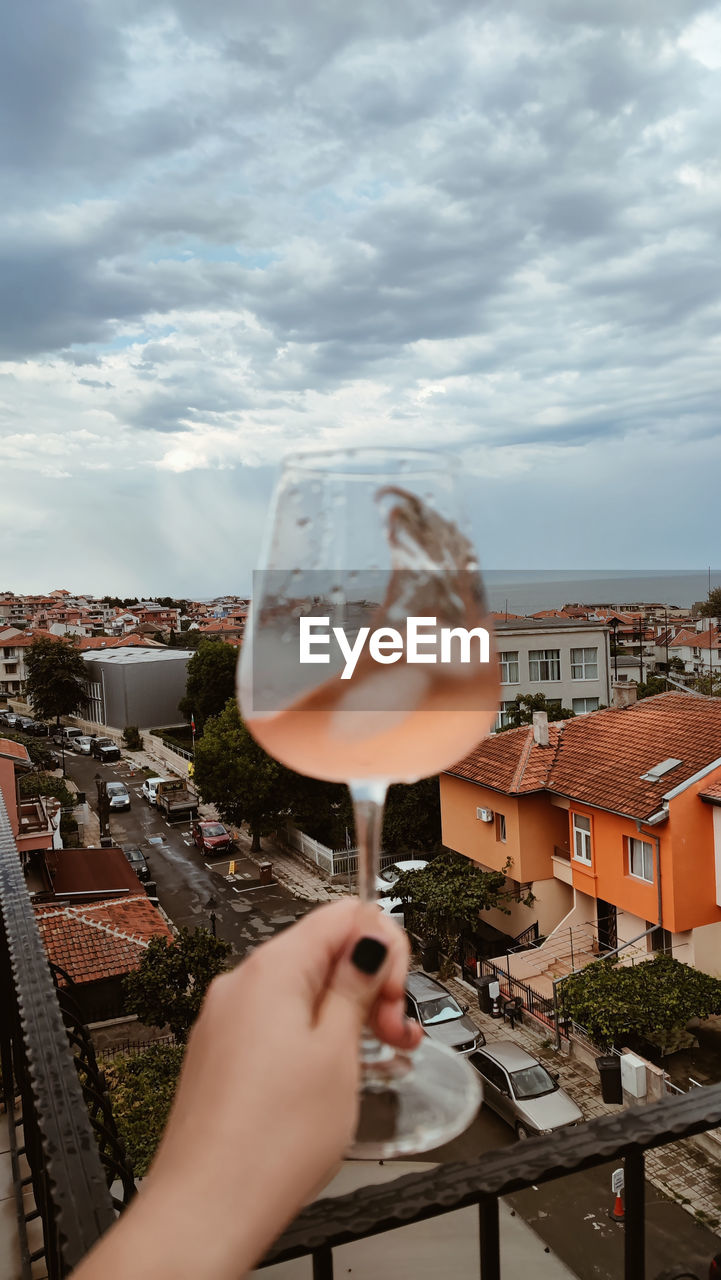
{"x":103,"y":808}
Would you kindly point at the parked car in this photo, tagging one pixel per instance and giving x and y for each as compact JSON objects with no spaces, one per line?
{"x":83,"y":745}
{"x":212,"y":837}
{"x":440,"y":1015}
{"x":23,"y":724}
{"x":37,"y":728}
{"x":149,"y":789}
{"x":118,"y":795}
{"x":520,"y":1089}
{"x":8,"y":717}
{"x":385,"y":881}
{"x":105,"y":749}
{"x":138,"y":862}
{"x":65,"y":734}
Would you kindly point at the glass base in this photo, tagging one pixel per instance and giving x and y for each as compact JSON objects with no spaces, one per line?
{"x":413,"y":1102}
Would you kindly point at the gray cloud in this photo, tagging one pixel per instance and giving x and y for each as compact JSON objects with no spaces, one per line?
{"x":229,"y":229}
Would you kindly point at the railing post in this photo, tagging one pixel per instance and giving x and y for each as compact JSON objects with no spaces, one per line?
{"x":635,"y":1219}
{"x":490,"y":1241}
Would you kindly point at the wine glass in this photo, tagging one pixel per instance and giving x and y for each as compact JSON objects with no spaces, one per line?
{"x":363,"y":552}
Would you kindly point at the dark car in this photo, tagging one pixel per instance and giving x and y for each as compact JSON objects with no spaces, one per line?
{"x":23,"y":724}
{"x":38,"y":729}
{"x":212,"y":837}
{"x":105,"y":749}
{"x":136,"y":858}
{"x":441,"y":1016}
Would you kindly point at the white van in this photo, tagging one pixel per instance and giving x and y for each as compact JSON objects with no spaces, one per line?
{"x":67,"y":734}
{"x":149,"y":789}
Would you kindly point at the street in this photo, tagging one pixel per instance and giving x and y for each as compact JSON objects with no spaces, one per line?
{"x":571,"y":1215}
{"x":186,"y":883}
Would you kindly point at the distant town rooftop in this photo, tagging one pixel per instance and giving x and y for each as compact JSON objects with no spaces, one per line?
{"x":546,"y":624}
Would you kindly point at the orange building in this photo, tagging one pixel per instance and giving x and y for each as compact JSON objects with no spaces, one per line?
{"x":33,"y":822}
{"x":612,"y":820}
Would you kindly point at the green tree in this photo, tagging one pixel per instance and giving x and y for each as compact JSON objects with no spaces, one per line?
{"x":56,"y":678}
{"x":168,"y":987}
{"x":711,"y":607}
{"x":235,"y":774}
{"x":44,"y":784}
{"x":708,"y":683}
{"x":654,"y":1000}
{"x":210,"y":681}
{"x":446,"y":898}
{"x":142,"y":1087}
{"x":524,"y":704}
{"x":412,"y":820}
{"x":650,"y":687}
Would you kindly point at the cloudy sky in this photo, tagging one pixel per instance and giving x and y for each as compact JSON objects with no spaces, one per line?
{"x":230,"y":229}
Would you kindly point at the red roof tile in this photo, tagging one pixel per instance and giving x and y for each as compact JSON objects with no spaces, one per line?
{"x":100,"y":939}
{"x":14,"y":751}
{"x":599,"y":759}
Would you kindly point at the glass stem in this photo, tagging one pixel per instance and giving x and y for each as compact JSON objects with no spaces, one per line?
{"x":368,"y":801}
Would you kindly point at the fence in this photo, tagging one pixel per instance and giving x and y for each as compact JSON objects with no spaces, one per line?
{"x":540,"y":1007}
{"x":334,"y":862}
{"x":129,"y":1048}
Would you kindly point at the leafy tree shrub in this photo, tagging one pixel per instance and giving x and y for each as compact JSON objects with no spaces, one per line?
{"x":168,"y":987}
{"x":56,"y":682}
{"x":447,"y":897}
{"x":132,"y":738}
{"x":44,"y":784}
{"x":654,"y":999}
{"x":523,"y":706}
{"x":141,"y":1089}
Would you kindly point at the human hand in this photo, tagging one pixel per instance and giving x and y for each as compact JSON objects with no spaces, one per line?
{"x":267,"y":1099}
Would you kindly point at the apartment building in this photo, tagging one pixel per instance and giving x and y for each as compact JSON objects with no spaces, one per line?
{"x":613,"y":821}
{"x":567,"y":659}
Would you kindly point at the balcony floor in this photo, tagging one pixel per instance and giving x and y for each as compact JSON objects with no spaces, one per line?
{"x":10,"y":1265}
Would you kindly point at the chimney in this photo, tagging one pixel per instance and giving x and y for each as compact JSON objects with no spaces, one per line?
{"x":540,"y":728}
{"x":623,"y":695}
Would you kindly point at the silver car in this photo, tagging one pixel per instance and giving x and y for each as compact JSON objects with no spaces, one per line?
{"x":83,"y":745}
{"x":118,"y":795}
{"x":519,"y":1088}
{"x":441,"y":1016}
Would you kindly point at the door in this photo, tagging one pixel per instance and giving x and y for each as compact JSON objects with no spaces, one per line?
{"x":606,"y":922}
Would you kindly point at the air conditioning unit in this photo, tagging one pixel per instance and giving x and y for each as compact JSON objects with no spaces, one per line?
{"x":485,"y":815}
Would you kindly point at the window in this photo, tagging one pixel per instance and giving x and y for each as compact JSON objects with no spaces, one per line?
{"x":584,"y":664}
{"x":509,"y":667}
{"x":544,"y":664}
{"x":554,"y":703}
{"x":582,"y":839}
{"x":504,"y":714}
{"x":582,"y":706}
{"x":640,"y":859}
{"x":11,"y":668}
{"x":501,"y":827}
{"x":660,"y":939}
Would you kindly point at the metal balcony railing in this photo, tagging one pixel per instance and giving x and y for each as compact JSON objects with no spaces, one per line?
{"x":57,"y":1106}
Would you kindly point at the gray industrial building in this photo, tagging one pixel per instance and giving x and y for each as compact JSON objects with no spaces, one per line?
{"x":136,"y":686}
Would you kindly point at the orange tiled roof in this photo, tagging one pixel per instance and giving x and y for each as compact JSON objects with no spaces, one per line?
{"x":712,"y":793}
{"x":599,"y":759}
{"x":100,"y":939}
{"x":14,"y":751}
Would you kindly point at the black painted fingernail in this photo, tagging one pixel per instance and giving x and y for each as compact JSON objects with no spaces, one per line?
{"x":369,"y":954}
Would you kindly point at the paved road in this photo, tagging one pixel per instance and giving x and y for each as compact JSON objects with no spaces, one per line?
{"x":186,"y":882}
